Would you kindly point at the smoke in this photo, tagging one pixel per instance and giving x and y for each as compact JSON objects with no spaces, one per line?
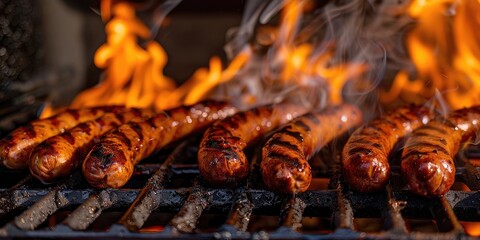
{"x":363,"y":41}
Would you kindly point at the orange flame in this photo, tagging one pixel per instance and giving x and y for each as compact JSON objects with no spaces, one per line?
{"x":444,"y":46}
{"x":134,"y":77}
{"x":133,"y":74}
{"x":471,"y":228}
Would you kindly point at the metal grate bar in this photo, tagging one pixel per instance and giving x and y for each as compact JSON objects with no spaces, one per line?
{"x":8,"y":201}
{"x":148,"y":199}
{"x":47,"y":205}
{"x":292,"y":213}
{"x":186,"y":219}
{"x":471,"y":176}
{"x":90,"y":210}
{"x":241,"y":212}
{"x":239,"y":217}
{"x":393,"y":219}
{"x":445,"y":217}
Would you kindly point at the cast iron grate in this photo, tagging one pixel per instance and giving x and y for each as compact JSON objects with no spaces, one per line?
{"x":172,"y":199}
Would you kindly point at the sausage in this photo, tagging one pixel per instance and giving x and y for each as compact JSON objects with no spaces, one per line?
{"x":365,"y":155}
{"x":16,"y":147}
{"x":427,"y":159}
{"x":285,"y":155}
{"x":111,"y":161}
{"x":221,"y":159}
{"x":59,"y":155}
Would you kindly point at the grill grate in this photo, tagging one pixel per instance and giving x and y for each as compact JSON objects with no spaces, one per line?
{"x":29,"y":209}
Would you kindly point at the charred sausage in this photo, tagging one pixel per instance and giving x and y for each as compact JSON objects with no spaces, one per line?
{"x":284,"y":165}
{"x":427,"y":159}
{"x":15,"y":148}
{"x":59,"y":155}
{"x":365,"y":155}
{"x":221,"y":159}
{"x":111,"y":161}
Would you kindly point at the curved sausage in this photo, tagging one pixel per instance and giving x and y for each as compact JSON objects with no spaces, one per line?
{"x":221,"y":159}
{"x":365,"y":155}
{"x":59,"y":155}
{"x":427,"y":159}
{"x":284,"y":165}
{"x":111,"y":161}
{"x":15,"y":148}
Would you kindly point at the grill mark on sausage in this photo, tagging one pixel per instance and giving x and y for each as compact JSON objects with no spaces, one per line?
{"x":68,"y":137}
{"x":364,"y":142}
{"x":433,"y":128}
{"x":232,"y":124}
{"x":285,"y":144}
{"x":301,"y":124}
{"x":432,"y":147}
{"x":138,"y":130}
{"x":390,"y":122}
{"x":74,"y":114}
{"x":284,"y":157}
{"x":313,"y":118}
{"x":29,"y":131}
{"x":294,"y":134}
{"x":360,"y":150}
{"x":120,"y":135}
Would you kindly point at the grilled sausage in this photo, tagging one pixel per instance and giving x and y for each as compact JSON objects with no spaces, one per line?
{"x":15,"y":148}
{"x":365,"y":155}
{"x":427,"y":159}
{"x":221,"y":159}
{"x":111,"y":161}
{"x":59,"y":155}
{"x":284,"y":165}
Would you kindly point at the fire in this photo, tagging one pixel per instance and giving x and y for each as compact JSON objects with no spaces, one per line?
{"x":444,"y":46}
{"x":133,"y":73}
{"x":471,"y":228}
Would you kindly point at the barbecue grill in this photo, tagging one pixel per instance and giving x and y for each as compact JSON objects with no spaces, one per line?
{"x":166,"y":199}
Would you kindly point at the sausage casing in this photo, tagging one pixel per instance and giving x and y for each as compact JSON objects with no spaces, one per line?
{"x":15,"y":148}
{"x":111,"y":161}
{"x":221,"y":159}
{"x":427,"y":159}
{"x":284,"y":165}
{"x":59,"y":155}
{"x":365,"y":155}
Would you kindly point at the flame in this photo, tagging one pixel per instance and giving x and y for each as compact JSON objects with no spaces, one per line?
{"x":133,"y":73}
{"x":444,"y":46}
{"x":301,"y":65}
{"x":471,"y":228}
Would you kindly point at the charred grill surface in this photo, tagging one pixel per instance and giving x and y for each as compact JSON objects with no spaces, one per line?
{"x":169,"y":184}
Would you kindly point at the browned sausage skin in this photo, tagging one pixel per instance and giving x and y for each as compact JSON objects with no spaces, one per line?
{"x":15,"y":148}
{"x":111,"y":161}
{"x":59,"y":155}
{"x":365,"y":155}
{"x":427,"y":159}
{"x":284,"y":165}
{"x":221,"y":159}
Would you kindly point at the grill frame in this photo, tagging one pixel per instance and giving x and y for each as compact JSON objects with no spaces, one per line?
{"x":28,"y":204}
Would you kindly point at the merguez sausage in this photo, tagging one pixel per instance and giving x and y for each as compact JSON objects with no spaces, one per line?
{"x":221,"y":159}
{"x":59,"y":155}
{"x":111,"y":161}
{"x":427,"y":159}
{"x":284,"y":165}
{"x":365,"y":155}
{"x":15,"y":148}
